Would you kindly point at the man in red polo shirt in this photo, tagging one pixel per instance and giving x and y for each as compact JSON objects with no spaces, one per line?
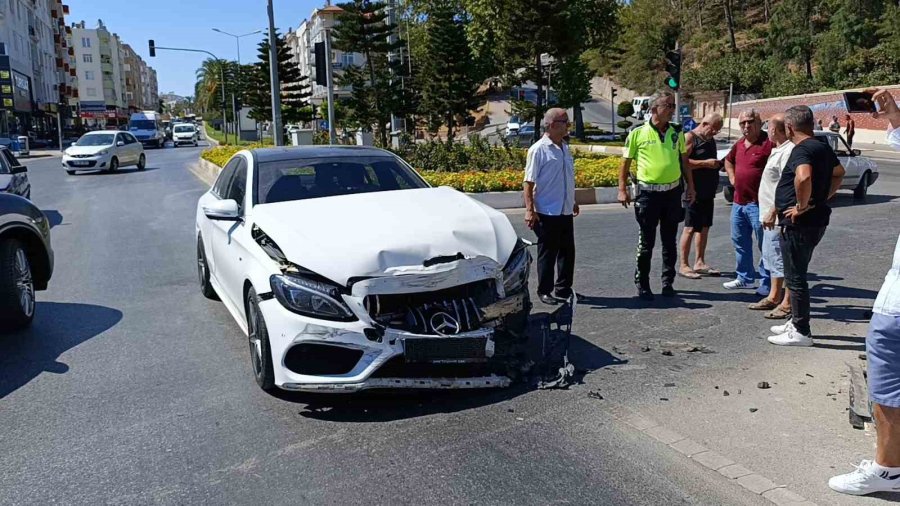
{"x":745,"y":164}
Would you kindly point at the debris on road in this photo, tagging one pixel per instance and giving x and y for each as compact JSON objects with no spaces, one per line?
{"x":663,"y":398}
{"x":667,"y":353}
{"x":763,"y":385}
{"x":595,"y":394}
{"x":753,"y":410}
{"x":645,"y":348}
{"x":668,"y":385}
{"x":725,"y":393}
{"x":862,"y":356}
{"x":802,"y":382}
{"x":810,"y":375}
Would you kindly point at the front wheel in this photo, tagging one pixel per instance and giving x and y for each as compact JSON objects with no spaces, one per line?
{"x":16,"y":286}
{"x":258,"y":339}
{"x":142,"y":162}
{"x":114,"y":164}
{"x":206,"y":287}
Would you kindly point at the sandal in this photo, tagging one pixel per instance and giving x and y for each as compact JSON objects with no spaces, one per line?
{"x":689,"y":274}
{"x":778,"y":313}
{"x":709,"y":271}
{"x":763,"y":305}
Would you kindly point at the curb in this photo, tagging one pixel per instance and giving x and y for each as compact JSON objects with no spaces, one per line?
{"x":205,"y":171}
{"x":515,"y":199}
{"x":591,"y":148}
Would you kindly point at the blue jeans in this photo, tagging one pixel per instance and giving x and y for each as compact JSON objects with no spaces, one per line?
{"x":744,"y":225}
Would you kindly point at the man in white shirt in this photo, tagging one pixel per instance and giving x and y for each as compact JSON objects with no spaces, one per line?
{"x":550,"y":207}
{"x":777,"y":303}
{"x":883,"y":363}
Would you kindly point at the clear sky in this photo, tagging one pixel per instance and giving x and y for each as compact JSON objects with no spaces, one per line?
{"x":188,"y":24}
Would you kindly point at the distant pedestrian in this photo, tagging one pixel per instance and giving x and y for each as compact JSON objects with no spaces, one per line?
{"x":819,"y":125}
{"x":810,"y":178}
{"x":744,"y":164}
{"x":777,"y":302}
{"x":659,"y":152}
{"x":849,"y":130}
{"x":835,"y":125}
{"x":550,"y":207}
{"x":705,"y":165}
{"x":883,"y":358}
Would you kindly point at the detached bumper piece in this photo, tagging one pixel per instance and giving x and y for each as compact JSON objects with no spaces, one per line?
{"x":403,"y":384}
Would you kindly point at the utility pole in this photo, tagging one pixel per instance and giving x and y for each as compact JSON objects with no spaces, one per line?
{"x":728,"y":114}
{"x":396,"y":122}
{"x":612,"y":109}
{"x":236,"y":113}
{"x":277,"y":132}
{"x":677,"y":93}
{"x":332,"y":129}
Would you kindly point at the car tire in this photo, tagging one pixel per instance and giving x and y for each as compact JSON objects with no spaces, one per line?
{"x":258,"y":341}
{"x":862,"y":189}
{"x":206,"y":287}
{"x":142,"y":162}
{"x":113,"y":164}
{"x":17,"y":302}
{"x":70,"y":172}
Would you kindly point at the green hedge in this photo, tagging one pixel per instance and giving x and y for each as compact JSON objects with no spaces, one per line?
{"x":592,"y":170}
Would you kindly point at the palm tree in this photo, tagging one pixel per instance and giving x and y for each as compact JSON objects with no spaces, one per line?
{"x":208,"y":90}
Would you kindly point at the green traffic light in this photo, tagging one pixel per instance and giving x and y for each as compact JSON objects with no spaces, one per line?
{"x":672,"y":83}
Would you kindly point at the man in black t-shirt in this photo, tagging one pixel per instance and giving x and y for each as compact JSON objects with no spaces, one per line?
{"x":811,"y":177}
{"x":705,"y":165}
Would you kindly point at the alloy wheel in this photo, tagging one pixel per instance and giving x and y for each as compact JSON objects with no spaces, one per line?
{"x":24,"y":283}
{"x":254,"y":340}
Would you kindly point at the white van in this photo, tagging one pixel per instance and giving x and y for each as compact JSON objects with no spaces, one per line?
{"x":639,"y":103}
{"x":184,"y":133}
{"x":146,"y":126}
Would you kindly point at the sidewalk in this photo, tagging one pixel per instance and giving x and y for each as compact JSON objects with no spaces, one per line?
{"x":39,"y":153}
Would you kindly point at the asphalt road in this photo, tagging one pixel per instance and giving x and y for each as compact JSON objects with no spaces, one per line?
{"x":132,"y":388}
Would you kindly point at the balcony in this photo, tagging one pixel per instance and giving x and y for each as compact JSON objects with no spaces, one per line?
{"x":106,"y":68}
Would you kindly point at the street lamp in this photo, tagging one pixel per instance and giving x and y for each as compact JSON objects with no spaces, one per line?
{"x":237,"y":41}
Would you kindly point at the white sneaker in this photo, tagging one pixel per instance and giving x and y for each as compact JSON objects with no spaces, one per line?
{"x":781,"y":329}
{"x":737,"y":284}
{"x":865,"y":480}
{"x":791,"y":338}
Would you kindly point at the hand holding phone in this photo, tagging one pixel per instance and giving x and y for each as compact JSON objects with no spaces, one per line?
{"x":859,"y":101}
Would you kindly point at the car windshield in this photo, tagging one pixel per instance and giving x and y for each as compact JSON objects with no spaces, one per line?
{"x":144,"y":124}
{"x":95,"y":140}
{"x":309,"y":178}
{"x":514,"y":119}
{"x":184,"y":128}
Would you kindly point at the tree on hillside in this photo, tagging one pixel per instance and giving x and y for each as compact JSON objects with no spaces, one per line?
{"x":447,"y":85}
{"x":294,"y":86}
{"x":573,"y":88}
{"x":362,"y":28}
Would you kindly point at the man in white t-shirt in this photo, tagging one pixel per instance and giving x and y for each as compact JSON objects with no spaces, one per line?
{"x":777,"y":303}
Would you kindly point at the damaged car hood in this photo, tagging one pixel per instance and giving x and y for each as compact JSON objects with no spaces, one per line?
{"x":366,"y":234}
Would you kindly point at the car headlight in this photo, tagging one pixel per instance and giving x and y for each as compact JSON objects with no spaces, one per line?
{"x":310,"y":297}
{"x":515,"y":274}
{"x":101,"y":153}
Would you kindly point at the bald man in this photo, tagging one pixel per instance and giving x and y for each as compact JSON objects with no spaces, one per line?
{"x":705,"y":165}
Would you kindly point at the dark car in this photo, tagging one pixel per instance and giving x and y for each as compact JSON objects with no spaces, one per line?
{"x":13,"y":175}
{"x":26,"y":259}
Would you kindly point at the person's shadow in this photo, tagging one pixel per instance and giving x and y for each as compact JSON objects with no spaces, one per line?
{"x":57,"y":328}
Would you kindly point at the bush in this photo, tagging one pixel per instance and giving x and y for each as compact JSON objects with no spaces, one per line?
{"x":625,"y":109}
{"x":589,"y":173}
{"x":478,"y":155}
{"x":624,"y":124}
{"x":220,"y":155}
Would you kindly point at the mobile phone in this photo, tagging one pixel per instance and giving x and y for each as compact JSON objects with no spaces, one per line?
{"x":858,"y":101}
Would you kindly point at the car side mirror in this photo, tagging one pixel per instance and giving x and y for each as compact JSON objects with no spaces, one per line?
{"x":120,"y":143}
{"x":856,"y":152}
{"x":18,"y":169}
{"x":222,"y":210}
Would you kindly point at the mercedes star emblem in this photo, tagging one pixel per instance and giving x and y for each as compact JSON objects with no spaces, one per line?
{"x":444,"y":324}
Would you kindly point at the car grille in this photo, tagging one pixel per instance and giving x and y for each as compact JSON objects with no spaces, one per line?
{"x":82,"y":156}
{"x":444,"y":312}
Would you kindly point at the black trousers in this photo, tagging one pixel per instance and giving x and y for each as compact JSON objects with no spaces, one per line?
{"x":652,"y":210}
{"x":556,"y":248}
{"x":797,"y":245}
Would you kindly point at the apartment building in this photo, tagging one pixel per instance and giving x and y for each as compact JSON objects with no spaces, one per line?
{"x":113,"y":80}
{"x":32,"y":55}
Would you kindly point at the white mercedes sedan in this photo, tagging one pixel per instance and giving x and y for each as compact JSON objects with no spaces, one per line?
{"x":348,"y":272}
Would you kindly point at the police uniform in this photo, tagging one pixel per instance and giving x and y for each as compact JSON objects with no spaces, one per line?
{"x":657,"y":159}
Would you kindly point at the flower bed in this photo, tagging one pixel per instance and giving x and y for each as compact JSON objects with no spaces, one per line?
{"x":590,"y":172}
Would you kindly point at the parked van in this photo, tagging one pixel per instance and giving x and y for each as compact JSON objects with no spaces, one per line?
{"x":146,"y":126}
{"x":641,"y":107}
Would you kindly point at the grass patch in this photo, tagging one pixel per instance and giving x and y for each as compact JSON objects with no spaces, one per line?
{"x":219,"y":137}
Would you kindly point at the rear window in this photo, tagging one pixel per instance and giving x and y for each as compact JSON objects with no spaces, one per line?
{"x":310,"y":178}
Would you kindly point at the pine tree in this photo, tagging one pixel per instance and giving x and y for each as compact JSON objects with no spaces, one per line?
{"x":294,"y":86}
{"x":362,"y":28}
{"x":447,"y":84}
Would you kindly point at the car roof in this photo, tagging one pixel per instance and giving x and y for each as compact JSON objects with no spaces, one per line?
{"x":103,"y":132}
{"x":293,"y":152}
{"x":184,"y":124}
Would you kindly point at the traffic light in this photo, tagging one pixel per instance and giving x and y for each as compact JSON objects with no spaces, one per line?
{"x":673,"y":67}
{"x":321,"y":71}
{"x":613,"y":94}
{"x":152,"y":48}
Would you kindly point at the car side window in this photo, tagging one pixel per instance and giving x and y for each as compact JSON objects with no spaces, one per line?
{"x":4,"y":163}
{"x":10,"y":159}
{"x":128,"y":138}
{"x":237,"y":188}
{"x":224,"y":179}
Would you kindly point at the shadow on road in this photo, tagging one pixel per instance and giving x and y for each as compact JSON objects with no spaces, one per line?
{"x":841,"y":200}
{"x":120,"y":171}
{"x":386,"y":406}
{"x":57,"y":328}
{"x":53,"y":216}
{"x":635,"y":303}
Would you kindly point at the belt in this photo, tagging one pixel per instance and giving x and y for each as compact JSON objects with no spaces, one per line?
{"x":659,"y":187}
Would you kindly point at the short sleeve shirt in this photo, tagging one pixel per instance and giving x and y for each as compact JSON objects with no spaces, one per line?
{"x":820,"y":156}
{"x":658,"y":157}
{"x":552,"y":170}
{"x":749,"y":163}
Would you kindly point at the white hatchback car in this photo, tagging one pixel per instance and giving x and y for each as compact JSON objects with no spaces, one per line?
{"x":105,"y":150}
{"x":184,"y":133}
{"x":348,"y":272}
